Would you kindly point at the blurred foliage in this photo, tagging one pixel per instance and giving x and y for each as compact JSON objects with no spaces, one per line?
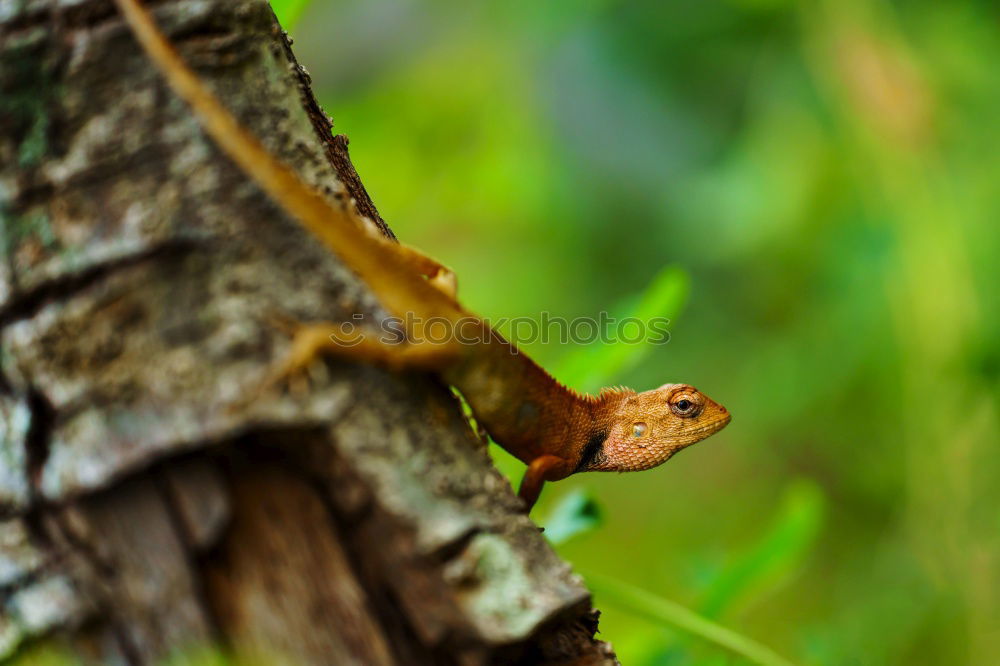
{"x":577,"y":512}
{"x":289,"y":11}
{"x":591,"y":367}
{"x":55,"y":651}
{"x":42,"y":654}
{"x":823,"y":174}
{"x":671,"y":613}
{"x":776,"y":554}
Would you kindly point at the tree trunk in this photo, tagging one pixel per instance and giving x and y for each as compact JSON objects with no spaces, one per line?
{"x":145,"y":508}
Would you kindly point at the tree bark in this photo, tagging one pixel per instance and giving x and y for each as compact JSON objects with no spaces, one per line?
{"x":144,"y":508}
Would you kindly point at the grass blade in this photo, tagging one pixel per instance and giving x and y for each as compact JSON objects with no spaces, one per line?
{"x":664,"y":611}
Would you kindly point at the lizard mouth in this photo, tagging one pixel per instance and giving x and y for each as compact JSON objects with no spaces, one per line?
{"x":711,"y":427}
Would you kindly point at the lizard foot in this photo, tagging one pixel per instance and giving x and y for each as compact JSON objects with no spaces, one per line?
{"x":437,"y":274}
{"x":445,"y":281}
{"x":309,"y":343}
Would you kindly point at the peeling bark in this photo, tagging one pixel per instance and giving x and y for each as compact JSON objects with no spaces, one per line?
{"x":144,"y":507}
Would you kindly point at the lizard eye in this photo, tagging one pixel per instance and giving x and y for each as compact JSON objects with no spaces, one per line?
{"x":639,"y":430}
{"x":686,"y":406}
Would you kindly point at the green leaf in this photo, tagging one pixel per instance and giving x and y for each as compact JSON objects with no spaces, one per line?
{"x":596,"y":365}
{"x":576,"y":512}
{"x":288,"y":11}
{"x":509,"y":466}
{"x":665,"y":611}
{"x":779,"y":551}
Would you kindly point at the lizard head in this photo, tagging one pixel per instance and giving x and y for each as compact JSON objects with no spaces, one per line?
{"x":645,"y":429}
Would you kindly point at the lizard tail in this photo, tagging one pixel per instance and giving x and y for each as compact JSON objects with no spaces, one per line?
{"x":375,"y":260}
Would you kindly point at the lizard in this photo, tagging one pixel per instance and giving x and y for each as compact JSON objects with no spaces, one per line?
{"x":556,"y":431}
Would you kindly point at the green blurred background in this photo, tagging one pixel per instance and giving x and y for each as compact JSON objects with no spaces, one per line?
{"x":809,"y":190}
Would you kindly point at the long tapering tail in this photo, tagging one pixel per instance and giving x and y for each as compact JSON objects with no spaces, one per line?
{"x":398,"y":288}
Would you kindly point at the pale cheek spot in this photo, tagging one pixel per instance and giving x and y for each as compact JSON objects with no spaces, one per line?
{"x":639,"y":432}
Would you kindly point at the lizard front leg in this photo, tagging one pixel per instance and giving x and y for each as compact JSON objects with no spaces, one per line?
{"x":312,"y":341}
{"x":439,"y":275}
{"x":543,"y":468}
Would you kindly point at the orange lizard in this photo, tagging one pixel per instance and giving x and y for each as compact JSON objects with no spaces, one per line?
{"x":551,"y":428}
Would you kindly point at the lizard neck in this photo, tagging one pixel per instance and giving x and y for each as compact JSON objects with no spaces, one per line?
{"x":521,"y":406}
{"x":603,"y":409}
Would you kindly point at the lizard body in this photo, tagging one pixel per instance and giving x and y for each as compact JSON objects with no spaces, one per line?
{"x":553,"y":429}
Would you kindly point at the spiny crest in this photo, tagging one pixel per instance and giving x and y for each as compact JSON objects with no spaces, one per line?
{"x":610,"y":392}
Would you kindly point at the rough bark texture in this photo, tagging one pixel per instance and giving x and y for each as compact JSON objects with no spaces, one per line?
{"x":140,"y":511}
